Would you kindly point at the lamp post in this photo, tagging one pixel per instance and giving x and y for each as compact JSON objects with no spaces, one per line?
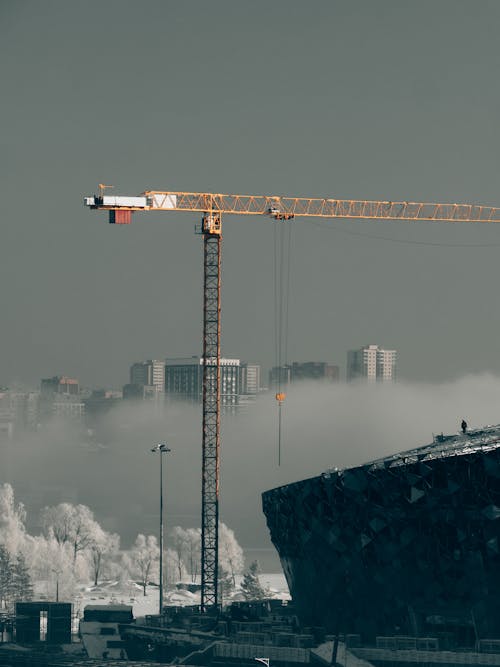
{"x":57,"y":573}
{"x":163,"y":449}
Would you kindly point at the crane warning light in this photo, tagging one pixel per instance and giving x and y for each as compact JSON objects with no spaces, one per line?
{"x":280,"y":397}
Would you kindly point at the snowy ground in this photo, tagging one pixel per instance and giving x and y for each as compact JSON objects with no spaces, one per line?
{"x":131,"y":593}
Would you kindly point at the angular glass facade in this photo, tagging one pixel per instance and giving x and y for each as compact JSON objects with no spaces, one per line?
{"x":408,"y":544}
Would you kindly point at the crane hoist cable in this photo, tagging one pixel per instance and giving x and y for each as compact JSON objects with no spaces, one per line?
{"x":282,"y":264}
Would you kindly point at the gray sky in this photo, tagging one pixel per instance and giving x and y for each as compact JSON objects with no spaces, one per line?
{"x":389,"y":99}
{"x":386,"y":99}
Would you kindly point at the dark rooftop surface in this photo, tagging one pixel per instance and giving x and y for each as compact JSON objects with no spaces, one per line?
{"x":484,"y":439}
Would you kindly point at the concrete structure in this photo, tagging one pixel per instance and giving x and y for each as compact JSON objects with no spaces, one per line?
{"x":371,"y":363}
{"x":147,"y":381}
{"x":66,"y":406}
{"x":60,"y":397}
{"x":184,"y":380}
{"x":314,"y":370}
{"x":99,"y":403}
{"x":60,"y":384}
{"x":303,"y":370}
{"x":49,"y":622}
{"x":18,"y":410}
{"x":149,"y":373}
{"x":100,"y":630}
{"x":409,"y":542}
{"x":250,"y":383}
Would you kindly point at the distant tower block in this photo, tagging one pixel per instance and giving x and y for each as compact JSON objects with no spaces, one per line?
{"x":371,"y":363}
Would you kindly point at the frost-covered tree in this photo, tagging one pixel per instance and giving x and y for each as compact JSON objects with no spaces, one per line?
{"x":103,"y":547}
{"x":186,"y":544}
{"x":251,"y":586}
{"x":6,"y":576}
{"x":231,"y":556}
{"x":53,"y":564}
{"x":12,"y":518}
{"x":70,"y":524}
{"x":178,"y":543}
{"x":22,"y":585}
{"x":170,"y":568}
{"x":142,"y":559}
{"x":15,"y":580}
{"x":193,"y":557}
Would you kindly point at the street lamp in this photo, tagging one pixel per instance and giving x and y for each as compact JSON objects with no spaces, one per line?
{"x":163,"y":449}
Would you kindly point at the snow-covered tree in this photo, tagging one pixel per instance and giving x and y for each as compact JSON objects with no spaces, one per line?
{"x":103,"y":547}
{"x":52,"y":563}
{"x":178,"y":544}
{"x":193,"y":556}
{"x":6,"y":575}
{"x":22,"y":585}
{"x":186,"y":544}
{"x":142,"y":559}
{"x":15,"y":581}
{"x":170,"y":568}
{"x":231,"y":557}
{"x":12,"y":518}
{"x":70,"y":524}
{"x":251,"y":586}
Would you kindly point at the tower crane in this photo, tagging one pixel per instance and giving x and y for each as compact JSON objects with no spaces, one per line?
{"x":211,"y":207}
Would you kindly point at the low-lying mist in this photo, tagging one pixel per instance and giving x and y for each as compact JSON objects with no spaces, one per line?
{"x":325,"y":426}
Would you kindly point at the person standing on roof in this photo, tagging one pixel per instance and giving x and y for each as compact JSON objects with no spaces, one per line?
{"x":464,"y":426}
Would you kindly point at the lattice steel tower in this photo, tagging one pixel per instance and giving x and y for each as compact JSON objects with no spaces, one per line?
{"x":212,"y":239}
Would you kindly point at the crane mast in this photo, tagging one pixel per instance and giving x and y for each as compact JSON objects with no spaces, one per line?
{"x":212,"y":206}
{"x":212,"y":240}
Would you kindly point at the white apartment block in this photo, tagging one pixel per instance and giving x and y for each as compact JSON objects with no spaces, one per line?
{"x":371,"y":363}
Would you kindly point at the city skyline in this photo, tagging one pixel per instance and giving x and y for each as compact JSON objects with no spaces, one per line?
{"x":151,"y":372}
{"x":350,"y":282}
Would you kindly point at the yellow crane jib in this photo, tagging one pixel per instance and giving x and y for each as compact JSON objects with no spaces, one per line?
{"x":286,"y":208}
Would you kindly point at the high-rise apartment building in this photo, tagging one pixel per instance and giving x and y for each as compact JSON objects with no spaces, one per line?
{"x":184,"y":380}
{"x":371,"y":363}
{"x":249,"y":379}
{"x":150,"y":373}
{"x":147,"y":380}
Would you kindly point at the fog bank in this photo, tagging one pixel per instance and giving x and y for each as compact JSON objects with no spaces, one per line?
{"x":324,"y":426}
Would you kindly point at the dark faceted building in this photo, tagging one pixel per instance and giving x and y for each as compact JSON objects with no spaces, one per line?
{"x":408,"y":544}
